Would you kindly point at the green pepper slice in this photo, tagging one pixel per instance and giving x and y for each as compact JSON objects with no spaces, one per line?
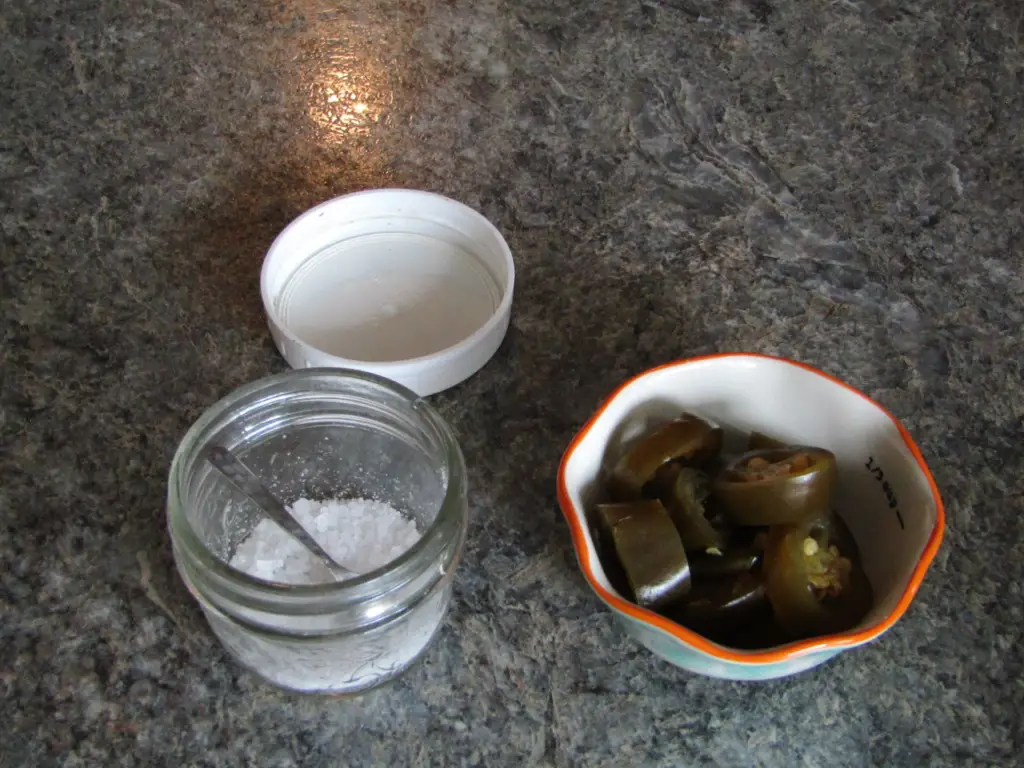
{"x":815,"y":588}
{"x":649,"y":550}
{"x":683,"y":491}
{"x":716,"y":607}
{"x":687,"y":437}
{"x":710,"y":449}
{"x":733,"y":561}
{"x":776,"y":486}
{"x":761,"y":631}
{"x":841,"y":537}
{"x":759,"y":441}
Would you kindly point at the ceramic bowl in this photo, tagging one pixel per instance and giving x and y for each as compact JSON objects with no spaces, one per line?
{"x":886,"y":493}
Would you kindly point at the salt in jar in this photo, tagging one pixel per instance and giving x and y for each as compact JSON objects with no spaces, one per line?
{"x":350,"y":451}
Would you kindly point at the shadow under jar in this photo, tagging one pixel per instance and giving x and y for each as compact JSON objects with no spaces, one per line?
{"x":322,"y":434}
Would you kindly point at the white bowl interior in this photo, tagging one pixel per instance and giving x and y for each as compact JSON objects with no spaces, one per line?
{"x":883,"y":494}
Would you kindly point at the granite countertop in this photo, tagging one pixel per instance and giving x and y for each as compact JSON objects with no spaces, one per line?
{"x":838,"y":181}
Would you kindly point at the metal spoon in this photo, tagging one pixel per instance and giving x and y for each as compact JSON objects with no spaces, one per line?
{"x":246,"y":481}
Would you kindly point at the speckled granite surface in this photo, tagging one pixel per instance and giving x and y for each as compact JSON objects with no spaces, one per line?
{"x":837,"y":181}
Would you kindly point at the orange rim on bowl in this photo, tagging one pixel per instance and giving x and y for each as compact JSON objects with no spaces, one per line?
{"x":781,"y":653}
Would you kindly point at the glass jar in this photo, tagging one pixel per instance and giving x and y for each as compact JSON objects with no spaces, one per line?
{"x":322,"y":434}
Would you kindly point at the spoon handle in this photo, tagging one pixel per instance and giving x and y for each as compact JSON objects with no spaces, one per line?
{"x":245,"y":481}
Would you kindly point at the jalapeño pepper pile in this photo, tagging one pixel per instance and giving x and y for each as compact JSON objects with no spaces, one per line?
{"x":744,"y":550}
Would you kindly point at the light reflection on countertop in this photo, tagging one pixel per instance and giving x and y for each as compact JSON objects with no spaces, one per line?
{"x":348,"y":93}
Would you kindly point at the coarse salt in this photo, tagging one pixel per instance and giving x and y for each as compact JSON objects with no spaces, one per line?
{"x":360,"y":534}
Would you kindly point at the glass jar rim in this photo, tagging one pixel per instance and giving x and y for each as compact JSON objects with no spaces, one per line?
{"x":359,"y":587}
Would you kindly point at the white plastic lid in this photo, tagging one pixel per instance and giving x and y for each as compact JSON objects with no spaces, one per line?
{"x":406,"y":284}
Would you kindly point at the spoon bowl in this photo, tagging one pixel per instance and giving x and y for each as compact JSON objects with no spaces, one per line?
{"x":246,"y":481}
